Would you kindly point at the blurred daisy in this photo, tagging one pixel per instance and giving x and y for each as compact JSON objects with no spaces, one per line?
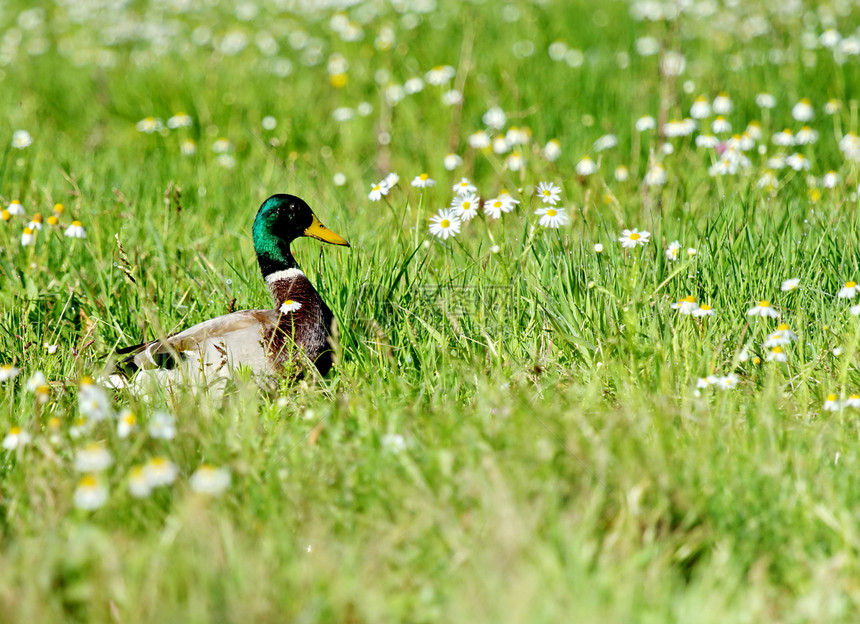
{"x":90,"y":493}
{"x":27,"y":237}
{"x":855,"y":310}
{"x":790,"y":284}
{"x":549,"y":193}
{"x":806,"y":136}
{"x":162,"y":426}
{"x":126,"y":424}
{"x":701,"y":108}
{"x":723,"y":104}
{"x":784,"y":138}
{"x":586,"y":166}
{"x":93,"y":458}
{"x":160,"y":471}
{"x":445,"y":224}
{"x":727,"y":382}
{"x":632,"y":238}
{"x":466,"y":206}
{"x":645,"y":123}
{"x":687,"y":305}
{"x":36,"y":222}
{"x":763,"y":309}
{"x":148,"y":125}
{"x":622,"y":173}
{"x":138,"y":485}
{"x":831,"y":403}
{"x":765,"y":100}
{"x":7,"y":372}
{"x":598,"y":248}
{"x":830,"y":180}
{"x":552,"y":217}
{"x":672,"y":250}
{"x":832,"y":107}
{"x":552,"y":150}
{"x":423,"y":181}
{"x":15,"y":438}
{"x":179,"y":120}
{"x":721,"y":125}
{"x":496,"y":206}
{"x":188,"y":147}
{"x":782,"y":336}
{"x":451,"y":162}
{"x":15,"y":207}
{"x":607,"y":141}
{"x":391,"y":180}
{"x":93,"y":402}
{"x":776,"y":355}
{"x":479,"y":140}
{"x":439,"y":75}
{"x":464,"y":187}
{"x":848,"y":291}
{"x":290,"y":305}
{"x":703,"y":311}
{"x":707,"y":140}
{"x":656,"y":176}
{"x":21,"y":139}
{"x":798,"y":162}
{"x":515,"y":161}
{"x":853,"y":401}
{"x":495,"y":118}
{"x":377,"y":191}
{"x":803,"y":111}
{"x":210,"y":480}
{"x":222,"y":146}
{"x":76,"y":230}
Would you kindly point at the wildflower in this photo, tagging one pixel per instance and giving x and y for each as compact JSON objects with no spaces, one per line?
{"x":704,"y":382}
{"x":15,"y":438}
{"x":53,"y":430}
{"x":27,"y":237}
{"x":222,"y":146}
{"x":703,"y":311}
{"x":621,"y":173}
{"x":21,"y":139}
{"x":423,"y":181}
{"x":803,"y":111}
{"x":701,"y":108}
{"x":549,"y":193}
{"x":179,"y":120}
{"x":598,"y":248}
{"x":464,"y":187}
{"x":289,"y":305}
{"x":692,"y":251}
{"x":727,"y":382}
{"x":763,"y":309}
{"x":466,"y":206}
{"x":439,"y":75}
{"x":672,"y":250}
{"x":776,"y":355}
{"x":445,"y":224}
{"x":607,"y":141}
{"x":495,"y":118}
{"x":645,"y":123}
{"x":798,"y":162}
{"x":586,"y":166}
{"x":162,"y":426}
{"x":479,"y":140}
{"x":723,"y":104}
{"x":138,"y":485}
{"x":90,"y":493}
{"x":831,"y":403}
{"x":377,"y":191}
{"x":4,"y":214}
{"x":160,"y":471}
{"x":707,"y":140}
{"x":228,"y":161}
{"x":93,"y":402}
{"x":631,"y":238}
{"x":853,"y":401}
{"x":806,"y":136}
{"x":391,"y":180}
{"x":79,"y":428}
{"x":76,"y":230}
{"x":93,"y":458}
{"x":656,"y":175}
{"x":269,"y":123}
{"x":517,"y":136}
{"x":767,"y":181}
{"x":679,"y":127}
{"x":790,"y":284}
{"x":209,"y":480}
{"x":552,"y":150}
{"x":36,"y":222}
{"x":126,"y":424}
{"x":36,"y":381}
{"x":188,"y":147}
{"x":393,"y":442}
{"x":148,"y":125}
{"x":721,"y":124}
{"x":496,"y":206}
{"x":452,"y":161}
{"x":552,"y":217}
{"x":784,"y":138}
{"x":515,"y":161}
{"x":832,"y":107}
{"x":848,"y":291}
{"x":855,"y":310}
{"x":686,"y":305}
{"x":830,"y":180}
{"x":765,"y":100}
{"x":15,"y":207}
{"x":7,"y":372}
{"x":782,"y":336}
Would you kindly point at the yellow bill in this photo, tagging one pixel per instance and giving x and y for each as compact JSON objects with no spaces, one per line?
{"x":319,"y":231}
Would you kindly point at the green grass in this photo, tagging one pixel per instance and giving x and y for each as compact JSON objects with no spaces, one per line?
{"x":558,"y":462}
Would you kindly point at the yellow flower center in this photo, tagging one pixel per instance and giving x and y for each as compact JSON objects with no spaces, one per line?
{"x":288,"y":302}
{"x":634,"y":236}
{"x":688,"y":299}
{"x":551,"y":213}
{"x":130,"y":419}
{"x":86,"y":381}
{"x":467,"y":205}
{"x":764,"y":304}
{"x":831,"y":397}
{"x":5,"y":215}
{"x":52,"y":220}
{"x":158,"y":461}
{"x":850,"y":284}
{"x":37,"y":218}
{"x":445,"y":223}
{"x":59,"y":208}
{"x":54,"y":422}
{"x":855,"y":396}
{"x":546,"y":193}
{"x":88,"y":481}
{"x":704,"y":307}
{"x":777,"y":350}
{"x":15,"y":431}
{"x":424,"y":176}
{"x":497,"y":204}
{"x":77,"y":223}
{"x":27,"y":230}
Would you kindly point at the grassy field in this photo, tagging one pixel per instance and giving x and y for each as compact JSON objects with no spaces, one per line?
{"x":525,"y":423}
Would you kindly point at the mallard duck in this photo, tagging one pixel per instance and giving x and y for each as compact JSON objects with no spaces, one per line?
{"x":291,"y":334}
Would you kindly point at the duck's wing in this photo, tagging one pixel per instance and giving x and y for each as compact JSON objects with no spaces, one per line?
{"x":212,"y":347}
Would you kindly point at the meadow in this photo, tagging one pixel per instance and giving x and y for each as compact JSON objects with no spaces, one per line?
{"x":597,"y":348}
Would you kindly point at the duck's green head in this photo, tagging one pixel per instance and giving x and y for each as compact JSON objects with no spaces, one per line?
{"x":280,"y":220}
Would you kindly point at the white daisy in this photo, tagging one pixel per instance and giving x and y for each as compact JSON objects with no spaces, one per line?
{"x":777,"y":354}
{"x":160,"y":471}
{"x":687,"y":305}
{"x":790,"y":284}
{"x":76,"y":230}
{"x":423,"y":181}
{"x":586,"y":166}
{"x":21,"y":139}
{"x":763,"y":309}
{"x":848,"y":291}
{"x":672,"y":250}
{"x":552,"y":217}
{"x":464,"y":187}
{"x":15,"y":207}
{"x":548,"y":193}
{"x":632,"y":238}
{"x":210,"y":480}
{"x":377,"y":191}
{"x":703,"y":310}
{"x":290,"y":305}
{"x":162,"y":426}
{"x":90,"y":493}
{"x":445,"y":224}
{"x":93,"y":458}
{"x":466,"y":206}
{"x":831,"y":403}
{"x":15,"y":438}
{"x":7,"y":372}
